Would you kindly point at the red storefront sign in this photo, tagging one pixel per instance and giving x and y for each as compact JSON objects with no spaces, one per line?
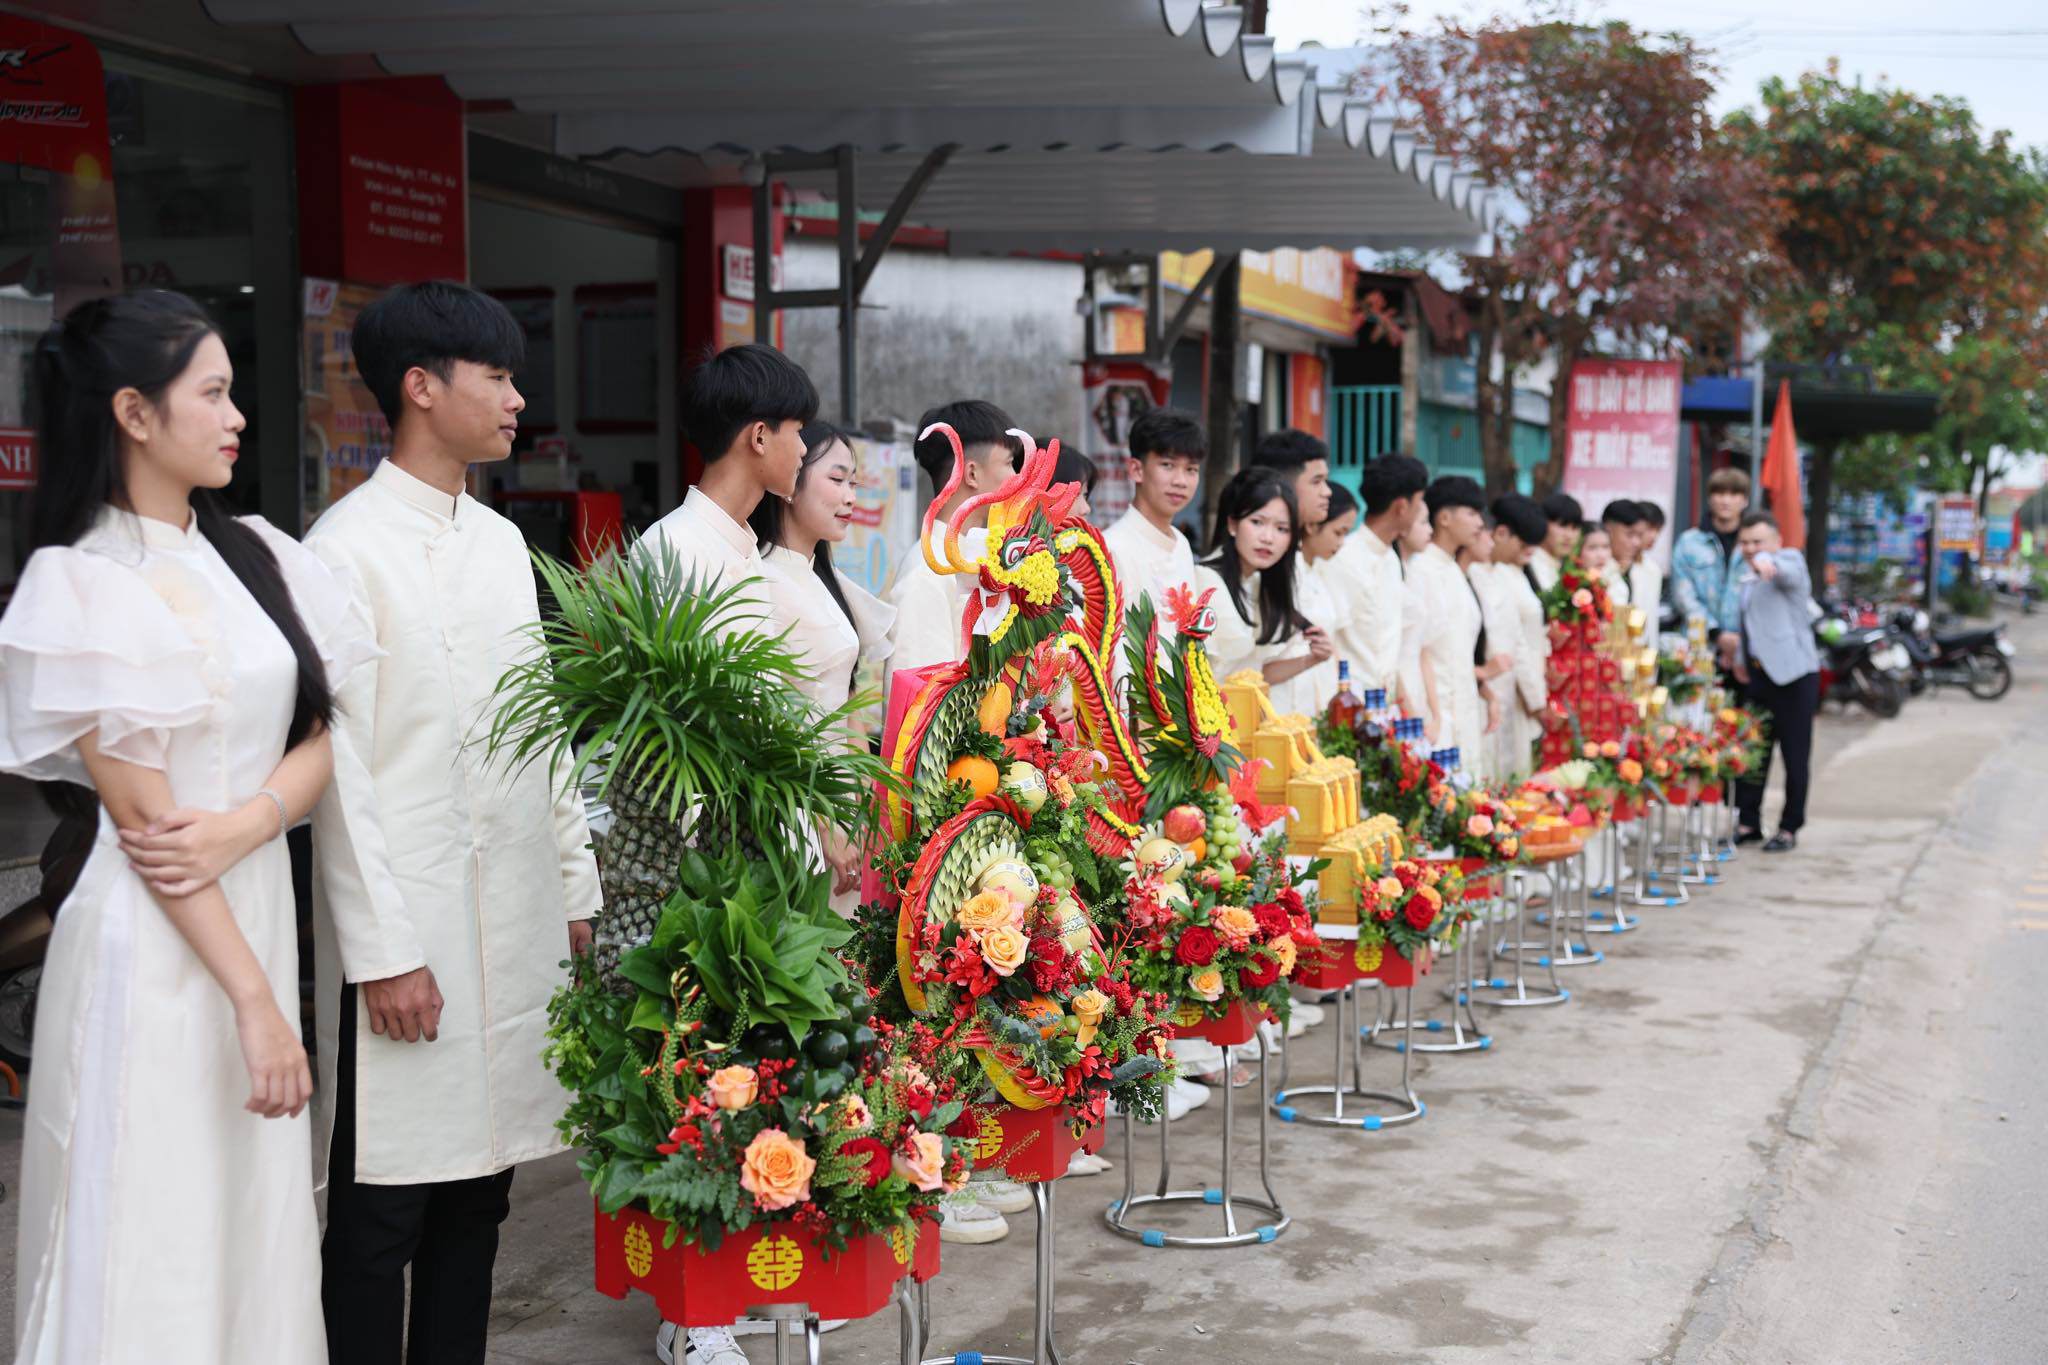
{"x":53,"y":115}
{"x":381,"y":192}
{"x":1621,"y":434}
{"x":17,"y":458}
{"x":1307,"y":396}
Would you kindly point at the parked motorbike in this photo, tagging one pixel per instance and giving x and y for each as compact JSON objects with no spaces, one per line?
{"x":1864,"y":665}
{"x":1978,"y":660}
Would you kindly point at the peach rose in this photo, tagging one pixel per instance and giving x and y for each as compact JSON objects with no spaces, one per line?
{"x":1611,"y":749}
{"x":1589,"y":750}
{"x":1089,"y":1006}
{"x":1631,"y":771}
{"x":1004,"y":949}
{"x":1284,"y":951}
{"x":1583,"y":598}
{"x":1207,"y":983}
{"x":776,"y":1170}
{"x":989,"y":910}
{"x":733,"y":1087}
{"x":1235,"y":925}
{"x":1479,"y":826}
{"x":1430,"y":896}
{"x":925,"y":1167}
{"x":1389,"y":888}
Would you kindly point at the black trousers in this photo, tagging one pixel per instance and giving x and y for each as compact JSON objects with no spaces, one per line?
{"x":446,"y":1231}
{"x":1790,"y":708}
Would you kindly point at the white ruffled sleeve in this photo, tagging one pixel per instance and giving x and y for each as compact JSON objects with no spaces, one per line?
{"x":88,"y":645}
{"x":331,"y":604}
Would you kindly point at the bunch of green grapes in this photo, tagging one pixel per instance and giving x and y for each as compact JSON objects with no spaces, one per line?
{"x":1054,"y":868}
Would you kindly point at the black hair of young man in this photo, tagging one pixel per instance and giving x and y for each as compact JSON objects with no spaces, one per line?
{"x":1390,"y":478}
{"x":977,"y":422}
{"x":741,"y":385}
{"x":1522,"y":515}
{"x":1074,"y":467}
{"x":1623,"y":512}
{"x":1653,"y":514}
{"x":1454,"y":490}
{"x":430,"y":326}
{"x":1288,"y":451}
{"x":1165,"y":431}
{"x":1563,"y":510}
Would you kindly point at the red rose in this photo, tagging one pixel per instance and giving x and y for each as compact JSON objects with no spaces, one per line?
{"x":1384,"y":912}
{"x":873,"y":1155}
{"x":1263,"y":972}
{"x":965,"y":1126}
{"x":918,"y":1101}
{"x":1274,"y":920}
{"x":1198,"y":946}
{"x":1420,"y":914}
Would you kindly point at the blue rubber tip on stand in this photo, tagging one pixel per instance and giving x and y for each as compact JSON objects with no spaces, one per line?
{"x":1486,"y":1042}
{"x":1286,"y":1113}
{"x":1543,"y":962}
{"x":1435,"y":1026}
{"x":1420,"y":1109}
{"x":1602,"y":894}
{"x":1543,"y":919}
{"x":1400,"y":1047}
{"x":1566,"y":995}
{"x":1599,"y":957}
{"x":1461,"y":998}
{"x":1268,"y":1233}
{"x":1212,"y":1196}
{"x":967,"y":1358}
{"x":1115,"y":1204}
{"x":1673,"y":900}
{"x":1153,"y":1237}
{"x":1371,"y":1125}
{"x":1498,"y":984}
{"x":1597,"y":914}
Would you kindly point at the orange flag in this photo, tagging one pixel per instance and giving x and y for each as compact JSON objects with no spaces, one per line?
{"x":1781,"y":472}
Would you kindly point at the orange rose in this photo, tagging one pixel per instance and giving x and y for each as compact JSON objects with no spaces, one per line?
{"x":1611,"y":749}
{"x":1207,"y":983}
{"x":1589,"y":749}
{"x":989,"y":910}
{"x":1631,"y":771}
{"x":1509,"y":847}
{"x":776,"y":1170}
{"x":1236,"y":925}
{"x":1089,"y":1006}
{"x":925,"y":1166}
{"x":1284,"y":950}
{"x":1390,"y":888}
{"x":733,"y":1087}
{"x":1004,"y":949}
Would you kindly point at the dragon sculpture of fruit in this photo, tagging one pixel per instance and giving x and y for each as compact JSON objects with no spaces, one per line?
{"x":1022,"y":792}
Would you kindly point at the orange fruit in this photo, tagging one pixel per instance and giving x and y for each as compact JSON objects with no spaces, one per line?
{"x":996,"y":705}
{"x":978,"y":773}
{"x":1198,"y":849}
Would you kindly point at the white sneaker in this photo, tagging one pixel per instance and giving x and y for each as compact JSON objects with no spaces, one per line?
{"x":1087,"y":1163}
{"x":1309,"y":1015}
{"x":1193,"y":1094}
{"x":965,"y":1220}
{"x":1004,"y":1196}
{"x":753,"y":1327}
{"x":701,"y":1346}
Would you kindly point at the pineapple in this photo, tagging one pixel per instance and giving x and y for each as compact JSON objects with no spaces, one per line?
{"x":636,"y":868}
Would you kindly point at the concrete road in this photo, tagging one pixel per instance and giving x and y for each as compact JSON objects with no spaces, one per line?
{"x":1802,"y":1119}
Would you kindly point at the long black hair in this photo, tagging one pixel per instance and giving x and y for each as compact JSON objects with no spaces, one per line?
{"x":769,"y":513}
{"x":144,"y":341}
{"x":1248,"y":491}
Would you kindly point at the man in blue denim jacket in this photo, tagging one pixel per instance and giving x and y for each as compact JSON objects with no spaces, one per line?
{"x":1706,"y":567}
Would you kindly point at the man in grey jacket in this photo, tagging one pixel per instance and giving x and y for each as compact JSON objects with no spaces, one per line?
{"x":1780,"y":667}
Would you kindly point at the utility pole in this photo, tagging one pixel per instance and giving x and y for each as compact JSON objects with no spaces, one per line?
{"x":1226,"y":366}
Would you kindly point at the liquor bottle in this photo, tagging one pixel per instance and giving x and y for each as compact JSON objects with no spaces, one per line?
{"x":1345,"y":708}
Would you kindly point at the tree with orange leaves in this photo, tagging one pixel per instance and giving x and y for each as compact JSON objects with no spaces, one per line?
{"x":1634,"y":216}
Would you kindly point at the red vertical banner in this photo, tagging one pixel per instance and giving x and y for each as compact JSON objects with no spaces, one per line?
{"x":53,"y":116}
{"x":1621,"y":435}
{"x":382,"y":193}
{"x":1308,"y":395}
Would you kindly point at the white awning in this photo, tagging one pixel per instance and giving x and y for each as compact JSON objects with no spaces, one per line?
{"x":1137,"y":125}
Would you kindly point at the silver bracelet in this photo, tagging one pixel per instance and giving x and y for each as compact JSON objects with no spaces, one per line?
{"x":279,"y":802}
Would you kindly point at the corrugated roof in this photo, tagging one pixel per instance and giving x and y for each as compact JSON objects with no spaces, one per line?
{"x":1111,"y":124}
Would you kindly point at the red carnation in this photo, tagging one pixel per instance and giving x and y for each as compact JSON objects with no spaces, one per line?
{"x":1274,"y":921}
{"x":873,"y":1155}
{"x":918,"y":1100}
{"x":1263,"y":972}
{"x":1198,"y":946}
{"x":1420,"y":914}
{"x":1385,"y":911}
{"x":1291,"y":901}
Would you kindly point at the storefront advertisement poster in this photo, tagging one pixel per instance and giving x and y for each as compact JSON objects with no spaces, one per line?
{"x":883,"y":534}
{"x":1308,"y":395}
{"x":53,"y":116}
{"x":1621,"y":436}
{"x":345,"y":434}
{"x":1113,"y":395}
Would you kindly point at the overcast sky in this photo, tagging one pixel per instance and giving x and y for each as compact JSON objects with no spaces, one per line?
{"x":1993,"y":53}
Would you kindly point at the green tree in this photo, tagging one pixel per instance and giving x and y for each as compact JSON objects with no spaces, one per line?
{"x":1912,"y":242}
